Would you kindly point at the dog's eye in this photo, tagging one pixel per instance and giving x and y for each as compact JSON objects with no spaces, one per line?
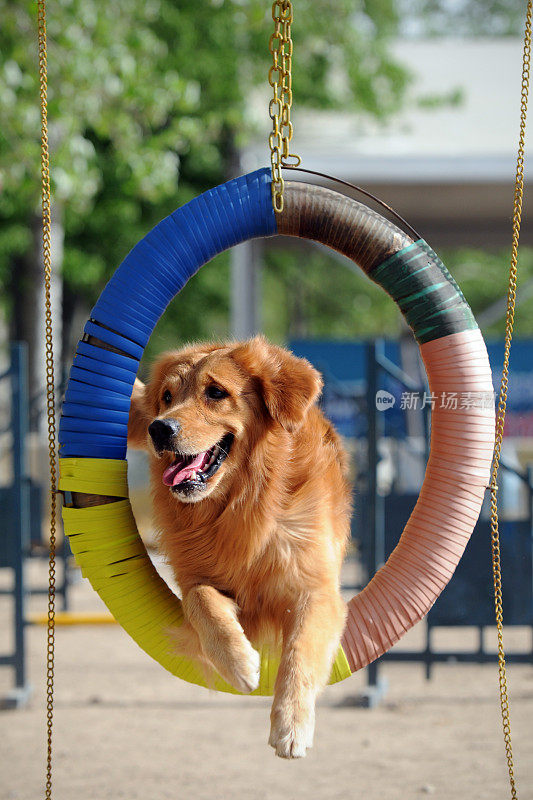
{"x":167,"y":397}
{"x":215,"y":392}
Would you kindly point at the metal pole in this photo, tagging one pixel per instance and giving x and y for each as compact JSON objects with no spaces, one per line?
{"x":245,"y":290}
{"x":530,"y":490}
{"x":376,"y":429}
{"x":21,"y":497}
{"x":376,"y":551}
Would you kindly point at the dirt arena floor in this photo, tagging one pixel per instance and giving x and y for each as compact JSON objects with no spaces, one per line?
{"x":124,"y":728}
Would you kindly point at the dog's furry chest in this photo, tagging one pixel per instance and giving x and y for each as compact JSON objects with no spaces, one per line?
{"x":260,"y":570}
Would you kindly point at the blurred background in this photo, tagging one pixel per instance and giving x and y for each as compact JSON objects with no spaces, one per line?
{"x":153,"y":102}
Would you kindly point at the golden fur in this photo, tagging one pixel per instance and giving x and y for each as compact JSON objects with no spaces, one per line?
{"x":257,"y":553}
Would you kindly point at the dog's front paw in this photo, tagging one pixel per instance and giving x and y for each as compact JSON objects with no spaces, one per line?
{"x":237,"y":662}
{"x":246,"y":668}
{"x":291,"y":730}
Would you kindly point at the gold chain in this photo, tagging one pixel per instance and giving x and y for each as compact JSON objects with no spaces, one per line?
{"x":280,"y":78}
{"x":502,"y":404}
{"x":50,"y":389}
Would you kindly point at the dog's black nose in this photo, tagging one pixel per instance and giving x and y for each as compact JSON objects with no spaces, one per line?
{"x":162,"y":432}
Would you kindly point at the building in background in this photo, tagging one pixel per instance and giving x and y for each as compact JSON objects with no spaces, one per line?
{"x":447,"y":161}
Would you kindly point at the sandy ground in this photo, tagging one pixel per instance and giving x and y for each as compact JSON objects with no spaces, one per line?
{"x":124,"y":728}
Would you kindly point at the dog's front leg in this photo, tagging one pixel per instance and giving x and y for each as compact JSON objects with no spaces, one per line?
{"x":214,"y":618}
{"x":311,"y":637}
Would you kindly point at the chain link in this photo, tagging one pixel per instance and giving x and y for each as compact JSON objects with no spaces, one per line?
{"x":279,"y":109}
{"x":50,"y":389}
{"x":502,"y":404}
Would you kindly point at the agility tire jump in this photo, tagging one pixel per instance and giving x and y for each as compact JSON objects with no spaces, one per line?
{"x":93,"y":429}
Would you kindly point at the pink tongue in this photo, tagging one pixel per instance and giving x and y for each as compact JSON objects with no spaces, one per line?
{"x":177,"y":474}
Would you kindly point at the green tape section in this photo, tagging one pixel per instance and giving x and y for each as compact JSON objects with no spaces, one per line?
{"x":428,"y":296}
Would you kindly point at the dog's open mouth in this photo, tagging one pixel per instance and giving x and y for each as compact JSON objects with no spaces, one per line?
{"x":193,"y":471}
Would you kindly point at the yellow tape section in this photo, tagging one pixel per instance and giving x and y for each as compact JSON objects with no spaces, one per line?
{"x":111,"y":554}
{"x":107,"y":547}
{"x":341,"y":668}
{"x":107,"y":476}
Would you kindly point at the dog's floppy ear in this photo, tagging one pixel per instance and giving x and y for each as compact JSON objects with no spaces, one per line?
{"x":138,"y":420}
{"x":289,"y":385}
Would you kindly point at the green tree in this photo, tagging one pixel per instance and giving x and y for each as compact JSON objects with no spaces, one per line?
{"x":147,"y":107}
{"x":108,"y":128}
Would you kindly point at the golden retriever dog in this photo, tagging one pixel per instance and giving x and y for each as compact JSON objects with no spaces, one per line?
{"x":252,"y":505}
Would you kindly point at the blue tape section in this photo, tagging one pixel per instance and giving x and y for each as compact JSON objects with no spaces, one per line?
{"x":232,"y":211}
{"x":213,"y":224}
{"x":157,"y":294}
{"x":224,"y":217}
{"x":95,"y":426}
{"x":264,"y":188}
{"x":148,"y":301}
{"x":99,"y":354}
{"x":91,"y":445}
{"x":102,"y":368}
{"x":100,"y":398}
{"x":240,"y":209}
{"x":115,"y":339}
{"x":153,"y":258}
{"x":139,"y":335}
{"x":80,"y":412}
{"x":252,"y":182}
{"x":102,"y":381}
{"x":129,"y":307}
{"x":192,"y":235}
{"x":201,"y":245}
{"x":88,"y":450}
{"x":95,"y":438}
{"x":145,"y":302}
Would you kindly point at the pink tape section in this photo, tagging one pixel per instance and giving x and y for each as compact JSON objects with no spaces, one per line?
{"x":434,"y":539}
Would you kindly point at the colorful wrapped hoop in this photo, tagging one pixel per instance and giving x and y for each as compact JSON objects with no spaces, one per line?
{"x":93,"y":427}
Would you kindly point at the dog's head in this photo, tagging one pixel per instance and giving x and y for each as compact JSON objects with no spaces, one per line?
{"x":206,"y":406}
